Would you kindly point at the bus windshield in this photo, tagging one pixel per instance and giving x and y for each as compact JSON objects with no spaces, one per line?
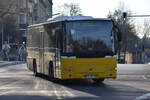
{"x":89,"y":37}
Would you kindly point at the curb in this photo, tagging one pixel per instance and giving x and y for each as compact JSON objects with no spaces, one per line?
{"x":11,"y":63}
{"x":144,"y":97}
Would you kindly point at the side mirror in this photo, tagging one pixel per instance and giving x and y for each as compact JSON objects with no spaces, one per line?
{"x":118,"y":33}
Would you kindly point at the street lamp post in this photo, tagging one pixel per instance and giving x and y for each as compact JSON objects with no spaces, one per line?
{"x":2,"y":34}
{"x":124,"y":19}
{"x":136,"y":46}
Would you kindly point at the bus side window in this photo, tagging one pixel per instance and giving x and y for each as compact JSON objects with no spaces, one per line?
{"x":64,"y":37}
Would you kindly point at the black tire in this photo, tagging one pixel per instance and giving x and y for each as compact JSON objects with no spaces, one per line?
{"x":51,"y":69}
{"x":98,"y":80}
{"x":34,"y":67}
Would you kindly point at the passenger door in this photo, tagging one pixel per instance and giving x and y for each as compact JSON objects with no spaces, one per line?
{"x":41,"y":52}
{"x":58,"y":50}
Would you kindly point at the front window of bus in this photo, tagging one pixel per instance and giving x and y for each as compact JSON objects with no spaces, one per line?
{"x":89,"y":38}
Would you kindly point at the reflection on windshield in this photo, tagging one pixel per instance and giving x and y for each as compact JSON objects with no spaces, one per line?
{"x":89,"y":36}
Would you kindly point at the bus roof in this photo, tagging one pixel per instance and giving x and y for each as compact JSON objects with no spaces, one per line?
{"x":74,"y":18}
{"x":71,"y":18}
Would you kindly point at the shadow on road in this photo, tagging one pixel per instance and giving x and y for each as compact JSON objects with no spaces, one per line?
{"x":105,"y":92}
{"x":37,"y":97}
{"x":102,"y":91}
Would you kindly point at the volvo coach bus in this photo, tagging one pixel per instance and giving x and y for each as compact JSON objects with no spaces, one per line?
{"x":73,"y":48}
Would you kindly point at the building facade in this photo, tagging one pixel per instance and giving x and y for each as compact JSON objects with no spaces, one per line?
{"x":25,"y":13}
{"x":33,"y":12}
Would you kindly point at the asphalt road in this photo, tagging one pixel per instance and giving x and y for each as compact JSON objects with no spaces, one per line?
{"x":18,"y":83}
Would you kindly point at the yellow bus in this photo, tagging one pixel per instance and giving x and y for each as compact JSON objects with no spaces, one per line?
{"x":73,"y":48}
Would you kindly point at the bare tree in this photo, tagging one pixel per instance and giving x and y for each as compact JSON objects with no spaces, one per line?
{"x":6,"y":8}
{"x":70,"y":10}
{"x":145,"y":34}
{"x":7,"y":23}
{"x":127,"y":28}
{"x":146,"y":29}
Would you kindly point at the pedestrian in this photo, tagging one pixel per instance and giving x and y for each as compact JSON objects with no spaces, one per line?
{"x":22,"y":53}
{"x":6,"y":48}
{"x":70,"y":48}
{"x":17,"y":51}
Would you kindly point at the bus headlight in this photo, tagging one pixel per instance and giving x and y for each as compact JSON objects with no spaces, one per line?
{"x":112,"y":69}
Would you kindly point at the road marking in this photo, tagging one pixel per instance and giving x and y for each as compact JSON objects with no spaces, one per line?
{"x":68,"y":92}
{"x":56,"y":93}
{"x":29,"y":92}
{"x":7,"y":86}
{"x":4,"y":93}
{"x":47,"y":93}
{"x":144,"y":97}
{"x":144,"y":77}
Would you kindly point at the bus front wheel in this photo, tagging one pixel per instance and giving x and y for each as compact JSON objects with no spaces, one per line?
{"x":98,"y":80}
{"x":51,"y":69}
{"x":34,"y":67}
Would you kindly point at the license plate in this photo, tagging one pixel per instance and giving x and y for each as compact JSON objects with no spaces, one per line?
{"x":90,"y":76}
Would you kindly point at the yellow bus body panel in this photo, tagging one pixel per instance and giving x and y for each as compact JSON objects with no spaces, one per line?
{"x":82,"y":68}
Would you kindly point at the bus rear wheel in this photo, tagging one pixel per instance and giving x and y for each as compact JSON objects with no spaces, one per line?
{"x":98,"y":80}
{"x":51,"y":70}
{"x":34,"y":67}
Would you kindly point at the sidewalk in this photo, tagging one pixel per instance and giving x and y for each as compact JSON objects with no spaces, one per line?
{"x":8,"y":63}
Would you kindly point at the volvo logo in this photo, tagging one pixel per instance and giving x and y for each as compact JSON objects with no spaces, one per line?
{"x":90,"y":69}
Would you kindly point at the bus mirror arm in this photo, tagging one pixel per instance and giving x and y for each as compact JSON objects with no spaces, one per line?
{"x":118,"y":32}
{"x":119,"y":35}
{"x":119,"y":38}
